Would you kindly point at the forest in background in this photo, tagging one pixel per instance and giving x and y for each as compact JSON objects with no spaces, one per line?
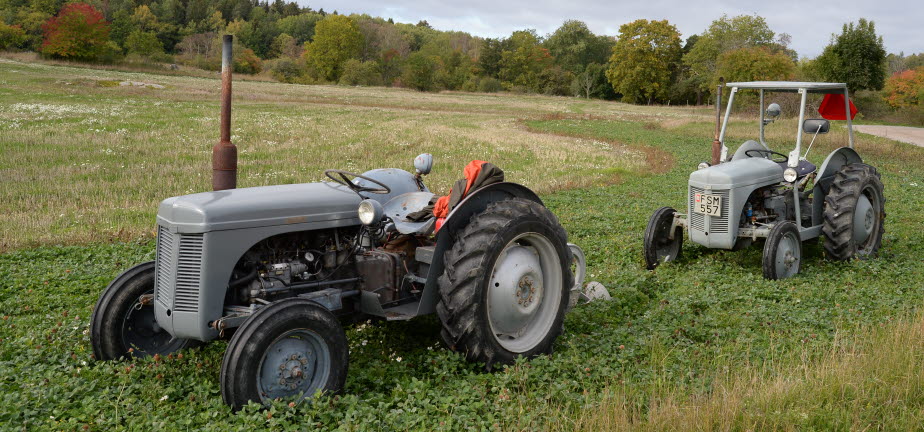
{"x":647,"y":62}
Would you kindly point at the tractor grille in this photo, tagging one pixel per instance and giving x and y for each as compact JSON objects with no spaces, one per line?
{"x":163,"y":277}
{"x":698,"y":220}
{"x":179,"y":267}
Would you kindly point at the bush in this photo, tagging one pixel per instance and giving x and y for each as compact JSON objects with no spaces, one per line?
{"x":246,"y":61}
{"x":489,"y":85}
{"x":111,"y":53}
{"x":78,"y":32}
{"x":356,"y":72}
{"x":286,"y":70}
{"x":905,"y":89}
{"x":143,"y":43}
{"x":11,"y":37}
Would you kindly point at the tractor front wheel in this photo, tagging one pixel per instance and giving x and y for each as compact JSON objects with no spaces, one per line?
{"x":659,"y":246}
{"x":506,"y":285}
{"x":782,"y":251}
{"x":123,"y":321}
{"x":854,"y":217}
{"x":290,"y":348}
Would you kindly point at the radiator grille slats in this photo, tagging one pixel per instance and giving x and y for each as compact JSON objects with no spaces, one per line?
{"x":718,"y":224}
{"x":188,"y":270}
{"x":163,"y":277}
{"x":179,"y":268}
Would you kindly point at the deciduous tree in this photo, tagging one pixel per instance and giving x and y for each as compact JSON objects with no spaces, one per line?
{"x":79,"y":32}
{"x":643,"y":59}
{"x":336,"y":40}
{"x":856,"y":57}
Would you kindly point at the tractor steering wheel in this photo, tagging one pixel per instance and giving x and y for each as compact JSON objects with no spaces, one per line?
{"x":765,"y":153}
{"x":345,"y":181}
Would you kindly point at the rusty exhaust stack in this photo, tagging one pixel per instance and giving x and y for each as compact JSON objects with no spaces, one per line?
{"x":716,"y":144}
{"x":224,"y":154}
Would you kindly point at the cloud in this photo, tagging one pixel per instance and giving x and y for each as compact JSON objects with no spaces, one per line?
{"x":810,"y":23}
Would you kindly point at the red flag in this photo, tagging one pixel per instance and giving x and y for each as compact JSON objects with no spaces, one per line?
{"x":832,"y":107}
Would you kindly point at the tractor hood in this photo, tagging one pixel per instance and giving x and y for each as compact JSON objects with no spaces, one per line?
{"x":738,"y":173}
{"x":258,"y":207}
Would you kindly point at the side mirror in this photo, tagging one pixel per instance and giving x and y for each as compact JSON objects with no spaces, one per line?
{"x":774,"y":110}
{"x":816,"y":126}
{"x":423,"y":163}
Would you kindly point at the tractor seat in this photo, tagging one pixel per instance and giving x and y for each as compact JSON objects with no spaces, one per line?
{"x":803,"y":169}
{"x":402,"y":205}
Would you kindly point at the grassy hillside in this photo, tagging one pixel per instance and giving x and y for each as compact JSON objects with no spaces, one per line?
{"x":706,"y":338}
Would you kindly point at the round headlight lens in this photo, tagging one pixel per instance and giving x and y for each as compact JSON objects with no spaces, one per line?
{"x":790,"y":175}
{"x":370,"y":212}
{"x":703,"y":165}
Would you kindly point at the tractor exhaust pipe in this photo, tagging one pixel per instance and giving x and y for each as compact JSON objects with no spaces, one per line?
{"x":224,"y":153}
{"x":716,"y":144}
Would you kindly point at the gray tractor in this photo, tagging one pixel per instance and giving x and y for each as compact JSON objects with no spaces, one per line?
{"x":277,"y":269}
{"x":783,"y":199}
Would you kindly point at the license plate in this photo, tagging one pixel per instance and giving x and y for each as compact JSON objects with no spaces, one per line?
{"x":707,"y":204}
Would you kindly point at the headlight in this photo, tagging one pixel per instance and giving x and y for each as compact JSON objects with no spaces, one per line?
{"x":790,"y":175}
{"x":370,"y":212}
{"x":703,"y":165}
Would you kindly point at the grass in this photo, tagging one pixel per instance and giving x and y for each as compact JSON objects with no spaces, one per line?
{"x":74,"y":144}
{"x":703,"y":339}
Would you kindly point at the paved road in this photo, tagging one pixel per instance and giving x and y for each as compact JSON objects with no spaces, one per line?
{"x":905,"y":134}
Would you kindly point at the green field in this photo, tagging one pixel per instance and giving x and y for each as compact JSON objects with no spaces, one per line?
{"x":705,"y":343}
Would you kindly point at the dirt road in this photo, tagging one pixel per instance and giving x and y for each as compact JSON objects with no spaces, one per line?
{"x":905,"y":134}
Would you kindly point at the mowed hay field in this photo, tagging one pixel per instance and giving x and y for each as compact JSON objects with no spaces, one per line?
{"x":84,"y":159}
{"x":702,"y":344}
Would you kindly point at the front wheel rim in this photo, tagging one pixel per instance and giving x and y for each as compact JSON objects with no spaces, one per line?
{"x":524,"y":292}
{"x":298,"y":362}
{"x":788,"y":255}
{"x":140,"y":332}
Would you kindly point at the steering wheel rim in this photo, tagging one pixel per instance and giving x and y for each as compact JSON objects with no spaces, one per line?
{"x":345,"y":181}
{"x":767,"y":151}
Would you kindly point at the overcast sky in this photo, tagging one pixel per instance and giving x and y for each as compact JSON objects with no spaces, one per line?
{"x":900,"y":23}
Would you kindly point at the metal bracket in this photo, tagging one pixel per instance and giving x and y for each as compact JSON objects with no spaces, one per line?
{"x":680,"y":220}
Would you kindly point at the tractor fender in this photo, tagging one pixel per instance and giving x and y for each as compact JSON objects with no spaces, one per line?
{"x":476,"y":202}
{"x":832,"y":164}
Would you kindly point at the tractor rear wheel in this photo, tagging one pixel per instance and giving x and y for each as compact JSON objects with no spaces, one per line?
{"x":123,"y":323}
{"x":782,"y":251}
{"x":854,"y":215}
{"x":290,"y":348}
{"x":659,"y":246}
{"x":506,"y":285}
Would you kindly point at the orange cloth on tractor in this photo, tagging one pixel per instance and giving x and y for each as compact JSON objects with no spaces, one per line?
{"x":478,"y":174}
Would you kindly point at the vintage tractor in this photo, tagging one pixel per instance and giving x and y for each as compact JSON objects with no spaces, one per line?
{"x":279,"y":266}
{"x":783,"y":199}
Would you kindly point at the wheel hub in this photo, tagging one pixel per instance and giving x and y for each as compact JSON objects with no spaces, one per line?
{"x":515,"y":290}
{"x":864,"y":220}
{"x":291,"y":371}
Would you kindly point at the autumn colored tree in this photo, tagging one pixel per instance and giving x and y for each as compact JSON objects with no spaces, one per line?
{"x":78,"y":32}
{"x":336,"y":40}
{"x":643,"y":60}
{"x":905,"y":89}
{"x":524,"y":61}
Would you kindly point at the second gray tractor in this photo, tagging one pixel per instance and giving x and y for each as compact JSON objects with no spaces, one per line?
{"x":783,"y":199}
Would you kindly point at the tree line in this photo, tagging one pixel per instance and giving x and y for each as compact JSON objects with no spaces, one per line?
{"x":647,"y":62}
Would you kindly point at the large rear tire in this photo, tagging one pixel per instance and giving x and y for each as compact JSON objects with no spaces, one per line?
{"x":854,"y":216}
{"x":123,"y":324}
{"x":506,"y":285}
{"x":659,"y":246}
{"x":290,"y":348}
